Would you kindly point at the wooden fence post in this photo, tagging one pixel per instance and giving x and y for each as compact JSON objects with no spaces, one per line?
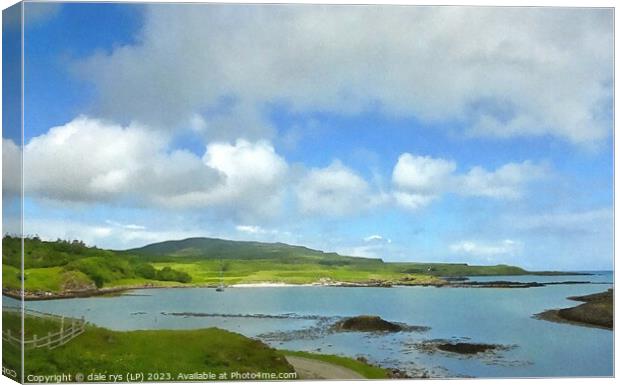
{"x":53,"y":339}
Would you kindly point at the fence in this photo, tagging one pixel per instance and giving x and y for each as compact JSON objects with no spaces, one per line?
{"x":69,"y":328}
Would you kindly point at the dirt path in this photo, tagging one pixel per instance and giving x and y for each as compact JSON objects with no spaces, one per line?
{"x":310,"y":369}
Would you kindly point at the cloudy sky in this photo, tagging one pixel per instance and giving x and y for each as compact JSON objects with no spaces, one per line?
{"x":480,"y":135}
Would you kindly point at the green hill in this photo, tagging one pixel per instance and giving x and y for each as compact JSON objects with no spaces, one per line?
{"x":58,"y":266}
{"x":203,"y":249}
{"x":65,"y":267}
{"x":214,"y":248}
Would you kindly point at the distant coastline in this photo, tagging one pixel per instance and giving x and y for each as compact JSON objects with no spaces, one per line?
{"x":459,"y":282}
{"x":70,"y":269}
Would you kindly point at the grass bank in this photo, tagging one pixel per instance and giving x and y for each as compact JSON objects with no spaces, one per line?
{"x":170,"y":355}
{"x":173,"y":354}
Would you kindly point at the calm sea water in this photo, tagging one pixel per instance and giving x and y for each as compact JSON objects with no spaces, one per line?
{"x":498,"y":316}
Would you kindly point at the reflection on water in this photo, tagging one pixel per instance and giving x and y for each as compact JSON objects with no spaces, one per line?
{"x":495,"y":316}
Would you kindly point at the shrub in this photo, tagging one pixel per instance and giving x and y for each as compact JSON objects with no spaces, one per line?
{"x":146,"y":270}
{"x":169,"y":274}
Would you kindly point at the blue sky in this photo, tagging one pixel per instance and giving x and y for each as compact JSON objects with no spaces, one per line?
{"x":405,"y":133}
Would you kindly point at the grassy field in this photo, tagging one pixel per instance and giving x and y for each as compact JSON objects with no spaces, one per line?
{"x":170,"y":353}
{"x":255,"y":271}
{"x":63,"y":266}
{"x":33,"y":326}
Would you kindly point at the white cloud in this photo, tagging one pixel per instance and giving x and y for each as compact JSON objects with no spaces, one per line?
{"x":88,"y":160}
{"x":565,"y":223}
{"x":262,"y":234}
{"x":250,"y":229}
{"x":102,"y":235}
{"x":334,"y":191}
{"x":241,"y":120}
{"x":502,"y":71}
{"x":413,"y":201}
{"x":373,"y":246}
{"x":364,"y":251}
{"x":245,"y":164}
{"x":422,"y":173}
{"x":127,"y":226}
{"x":486,"y":249}
{"x":505,"y":182}
{"x":419,"y":180}
{"x":101,"y":232}
{"x":377,"y":238}
{"x":197,"y":123}
{"x":574,"y":240}
{"x":253,"y":179}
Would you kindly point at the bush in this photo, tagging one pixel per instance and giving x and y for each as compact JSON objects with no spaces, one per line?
{"x":99,"y":280}
{"x":169,"y":274}
{"x":103,"y":269}
{"x":146,"y":270}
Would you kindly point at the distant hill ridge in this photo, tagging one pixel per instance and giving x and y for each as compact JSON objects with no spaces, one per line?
{"x":202,"y":247}
{"x":215,"y":248}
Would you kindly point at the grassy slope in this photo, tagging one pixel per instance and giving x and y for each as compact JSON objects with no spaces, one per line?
{"x":253,"y":271}
{"x":173,"y":351}
{"x":210,"y":249}
{"x":51,"y":279}
{"x":58,"y":266}
{"x":249,"y":262}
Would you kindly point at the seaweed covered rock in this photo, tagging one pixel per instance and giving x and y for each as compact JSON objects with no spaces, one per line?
{"x":597,"y":311}
{"x":460,"y":346}
{"x":465,"y":347}
{"x":367,"y":323}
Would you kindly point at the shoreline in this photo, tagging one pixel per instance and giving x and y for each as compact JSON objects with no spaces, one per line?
{"x":270,"y":284}
{"x":28,"y":296}
{"x":596,"y":311}
{"x":39,"y":296}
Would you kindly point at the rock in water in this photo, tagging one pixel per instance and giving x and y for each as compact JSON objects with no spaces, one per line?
{"x":368,"y":323}
{"x":465,"y":348}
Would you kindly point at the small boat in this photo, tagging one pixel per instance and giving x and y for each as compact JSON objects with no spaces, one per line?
{"x":221,"y":286}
